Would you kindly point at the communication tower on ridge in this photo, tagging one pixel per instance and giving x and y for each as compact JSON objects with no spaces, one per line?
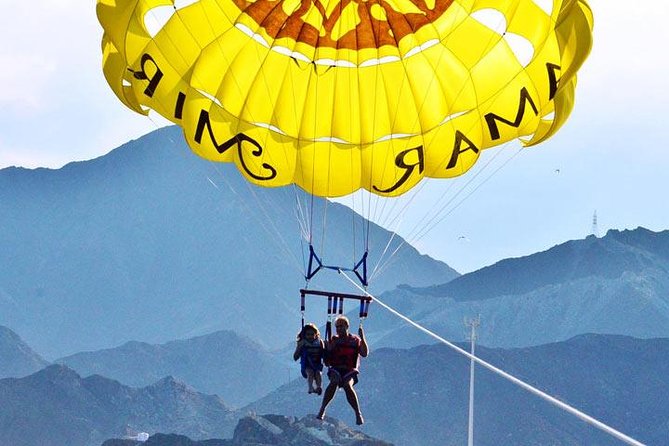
{"x":595,"y":229}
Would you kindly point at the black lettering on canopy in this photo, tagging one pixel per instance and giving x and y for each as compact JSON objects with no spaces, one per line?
{"x":492,"y":118}
{"x":409,"y":168}
{"x":239,"y":139}
{"x":553,"y":81}
{"x":142,"y":75}
{"x":458,"y":149}
{"x":179,"y":107}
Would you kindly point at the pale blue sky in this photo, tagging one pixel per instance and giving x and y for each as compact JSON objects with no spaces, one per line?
{"x":611,"y":154}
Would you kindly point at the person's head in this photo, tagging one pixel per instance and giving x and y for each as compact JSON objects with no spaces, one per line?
{"x":310,"y":332}
{"x":341,"y":325}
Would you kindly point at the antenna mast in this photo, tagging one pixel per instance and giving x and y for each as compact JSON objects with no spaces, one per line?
{"x":473,"y":324}
{"x":595,"y":229}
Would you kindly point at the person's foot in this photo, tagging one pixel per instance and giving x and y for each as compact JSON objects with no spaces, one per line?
{"x":320,"y":415}
{"x":318,"y":391}
{"x":311,"y":391}
{"x":358,"y":419}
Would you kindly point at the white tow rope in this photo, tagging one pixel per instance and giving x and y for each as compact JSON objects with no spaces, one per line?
{"x":556,"y":402}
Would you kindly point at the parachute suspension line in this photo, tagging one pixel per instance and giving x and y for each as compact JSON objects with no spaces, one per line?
{"x":353,"y":231}
{"x":543,"y":395}
{"x":301,"y":218}
{"x":422,"y":228}
{"x":377,"y":269}
{"x":422,"y":231}
{"x":397,"y":221}
{"x":270,"y":228}
{"x":434,"y":223}
{"x":366,"y":222}
{"x":278,"y":238}
{"x":302,"y":307}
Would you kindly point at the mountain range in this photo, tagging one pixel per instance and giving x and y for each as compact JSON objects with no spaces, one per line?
{"x":408,"y":396}
{"x":420,"y":396}
{"x":616,"y":284}
{"x":153,"y":243}
{"x":17,"y":359}
{"x":222,"y":363}
{"x":270,"y":430}
{"x":56,"y":407}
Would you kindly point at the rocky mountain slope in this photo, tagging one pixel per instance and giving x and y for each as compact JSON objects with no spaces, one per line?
{"x":17,"y":359}
{"x":617,"y":284}
{"x":56,"y":407}
{"x":271,"y":430}
{"x":223,"y":363}
{"x":420,"y":396}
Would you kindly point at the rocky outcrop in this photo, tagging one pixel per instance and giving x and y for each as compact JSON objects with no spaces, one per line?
{"x":272,"y":430}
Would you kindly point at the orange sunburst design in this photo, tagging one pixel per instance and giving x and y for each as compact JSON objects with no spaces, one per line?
{"x":370,"y":23}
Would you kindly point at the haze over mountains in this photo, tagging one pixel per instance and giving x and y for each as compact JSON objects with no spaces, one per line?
{"x":109,"y":261}
{"x":617,"y":284}
{"x":420,"y":396}
{"x":409,"y":397}
{"x":17,"y":359}
{"x":221,"y":363}
{"x":152,"y":243}
{"x":56,"y":407}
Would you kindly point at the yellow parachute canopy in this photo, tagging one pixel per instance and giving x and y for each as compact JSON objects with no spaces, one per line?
{"x":338,"y":95}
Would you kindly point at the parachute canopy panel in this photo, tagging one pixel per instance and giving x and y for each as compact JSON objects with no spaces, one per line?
{"x":338,"y":95}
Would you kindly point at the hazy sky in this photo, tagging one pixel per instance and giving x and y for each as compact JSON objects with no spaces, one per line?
{"x":611,"y":154}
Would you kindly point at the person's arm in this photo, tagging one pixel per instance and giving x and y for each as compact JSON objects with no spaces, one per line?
{"x":364,"y":349}
{"x":298,"y":350}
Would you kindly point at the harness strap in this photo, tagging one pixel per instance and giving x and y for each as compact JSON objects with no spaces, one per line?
{"x":302,"y":307}
{"x":328,"y":324}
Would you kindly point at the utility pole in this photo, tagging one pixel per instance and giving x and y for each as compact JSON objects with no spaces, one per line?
{"x":473,"y":324}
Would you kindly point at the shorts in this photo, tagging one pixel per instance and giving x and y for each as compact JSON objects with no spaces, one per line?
{"x":342,"y":375}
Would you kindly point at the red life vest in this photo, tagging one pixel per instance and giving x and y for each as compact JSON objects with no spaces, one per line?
{"x":345,"y":352}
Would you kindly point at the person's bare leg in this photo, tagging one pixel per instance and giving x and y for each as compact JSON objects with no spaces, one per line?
{"x":319,"y":381}
{"x":352,"y":399}
{"x":310,"y":380}
{"x":329,"y":394}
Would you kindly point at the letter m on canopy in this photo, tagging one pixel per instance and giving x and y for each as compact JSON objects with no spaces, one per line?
{"x":492,"y":118}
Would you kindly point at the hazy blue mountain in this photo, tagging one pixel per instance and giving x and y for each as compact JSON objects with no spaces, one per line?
{"x":152,"y":243}
{"x":271,"y":430}
{"x":420,"y":396}
{"x":618,"y":284}
{"x":56,"y":407}
{"x":17,"y":359}
{"x":236,"y":368}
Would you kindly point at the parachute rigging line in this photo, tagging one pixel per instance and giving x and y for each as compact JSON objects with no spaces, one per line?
{"x":274,"y":233}
{"x":541,"y":394}
{"x":422,"y":228}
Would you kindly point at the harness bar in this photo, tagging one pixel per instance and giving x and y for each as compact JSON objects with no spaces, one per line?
{"x":311,"y":271}
{"x":336,"y":305}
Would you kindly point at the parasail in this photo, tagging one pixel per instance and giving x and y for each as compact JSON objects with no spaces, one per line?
{"x":339,"y":95}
